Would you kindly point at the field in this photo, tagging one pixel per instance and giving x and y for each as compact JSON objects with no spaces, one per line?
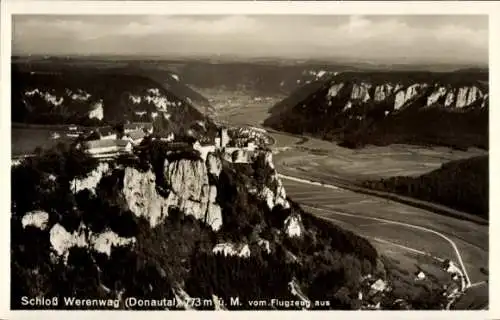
{"x":241,"y":107}
{"x":325,"y":159}
{"x":358,"y":212}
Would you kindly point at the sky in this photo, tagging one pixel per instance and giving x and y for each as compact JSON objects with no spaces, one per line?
{"x":396,"y":39}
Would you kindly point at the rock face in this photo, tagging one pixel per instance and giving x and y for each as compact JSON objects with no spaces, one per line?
{"x":382,"y":92}
{"x":468,"y":95}
{"x":454,"y":97}
{"x":90,"y":182}
{"x":293,"y":226}
{"x":277,"y":196}
{"x":62,"y":241}
{"x":230,"y":249}
{"x":187,"y":178}
{"x":436,"y":95}
{"x":37,"y":219}
{"x":214,"y":164}
{"x":189,"y":191}
{"x":139,"y":190}
{"x":97,"y":111}
{"x":335,"y":89}
{"x":360,"y":92}
{"x":403,"y":96}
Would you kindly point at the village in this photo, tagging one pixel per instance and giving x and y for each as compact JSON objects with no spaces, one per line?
{"x":375,"y":290}
{"x":109,"y":143}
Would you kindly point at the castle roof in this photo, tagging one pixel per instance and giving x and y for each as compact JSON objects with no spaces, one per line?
{"x":137,"y":125}
{"x":94,"y":144}
{"x":136,"y":134}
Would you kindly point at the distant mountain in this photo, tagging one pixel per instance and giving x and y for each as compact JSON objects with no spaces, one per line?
{"x":264,"y":78}
{"x":358,"y":108}
{"x":92,"y":95}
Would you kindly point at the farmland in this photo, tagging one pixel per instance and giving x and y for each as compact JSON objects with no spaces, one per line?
{"x":324,"y":159}
{"x":357,"y":212}
{"x":239,"y":108}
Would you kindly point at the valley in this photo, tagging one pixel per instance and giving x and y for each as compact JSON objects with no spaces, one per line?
{"x":409,"y":239}
{"x":423,"y":233}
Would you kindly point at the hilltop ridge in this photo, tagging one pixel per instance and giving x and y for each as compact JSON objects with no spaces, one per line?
{"x":358,"y":108}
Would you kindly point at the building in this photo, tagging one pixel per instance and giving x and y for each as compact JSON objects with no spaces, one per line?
{"x":420,"y":275}
{"x":107,"y":133}
{"x":378,"y":286}
{"x":224,"y":138}
{"x":135,"y":136}
{"x":133,"y":126}
{"x":107,"y":148}
{"x":204,"y":150}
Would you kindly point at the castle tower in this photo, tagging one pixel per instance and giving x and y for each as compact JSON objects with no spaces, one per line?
{"x":224,"y":138}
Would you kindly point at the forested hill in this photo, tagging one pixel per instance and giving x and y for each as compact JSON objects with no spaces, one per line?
{"x":164,"y":224}
{"x":359,"y":108}
{"x":93,"y":96}
{"x":462,"y":185}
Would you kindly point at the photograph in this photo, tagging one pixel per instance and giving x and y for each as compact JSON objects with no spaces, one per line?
{"x":271,"y":162}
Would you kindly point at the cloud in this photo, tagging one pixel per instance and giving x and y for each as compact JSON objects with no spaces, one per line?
{"x":363,"y":37}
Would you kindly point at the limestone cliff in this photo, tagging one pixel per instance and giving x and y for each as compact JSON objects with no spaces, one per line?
{"x":273,"y":194}
{"x":188,"y":190}
{"x":91,"y":180}
{"x":448,"y":95}
{"x":381,"y":108}
{"x":62,"y":240}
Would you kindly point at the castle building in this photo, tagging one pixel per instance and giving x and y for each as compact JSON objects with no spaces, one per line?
{"x":224,"y":138}
{"x":107,"y":148}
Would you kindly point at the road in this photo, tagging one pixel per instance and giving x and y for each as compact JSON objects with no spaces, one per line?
{"x":408,"y":225}
{"x":389,"y":223}
{"x":402,"y":226}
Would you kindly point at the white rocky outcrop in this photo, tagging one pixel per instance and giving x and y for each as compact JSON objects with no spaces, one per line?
{"x":360,"y":91}
{"x":403,"y":96}
{"x":293,"y":226}
{"x":91,"y":180}
{"x":485,"y":101}
{"x":335,"y":89}
{"x":320,"y":74}
{"x":348,"y":105}
{"x":214,"y":164}
{"x":450,"y":98}
{"x":268,"y":160}
{"x":187,"y":178}
{"x":78,"y":95}
{"x":436,"y":95}
{"x":139,"y":190}
{"x":103,"y":242}
{"x":154,"y":97}
{"x":265,"y":245}
{"x":96,"y":111}
{"x":47,"y":96}
{"x":467,"y":96}
{"x":189,"y":192}
{"x":275,"y":197}
{"x":62,"y":240}
{"x":230,"y":249}
{"x":382,"y":92}
{"x":38,"y":219}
